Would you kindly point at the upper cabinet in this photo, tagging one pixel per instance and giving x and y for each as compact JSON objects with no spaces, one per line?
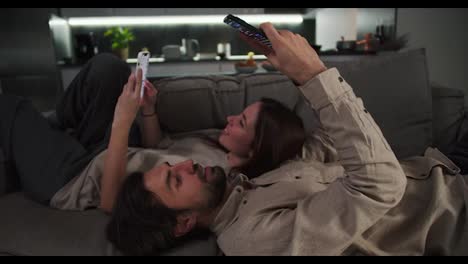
{"x":86,"y":12}
{"x":286,"y":10}
{"x":99,"y":12}
{"x":139,"y":11}
{"x":212,"y":11}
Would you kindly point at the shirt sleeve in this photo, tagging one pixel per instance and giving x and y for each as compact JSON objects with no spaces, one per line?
{"x":327,"y":222}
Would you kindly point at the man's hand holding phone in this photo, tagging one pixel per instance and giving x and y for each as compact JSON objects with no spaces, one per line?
{"x":292,"y":55}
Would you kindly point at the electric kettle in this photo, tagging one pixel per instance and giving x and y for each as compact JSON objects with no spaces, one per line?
{"x":190,"y":47}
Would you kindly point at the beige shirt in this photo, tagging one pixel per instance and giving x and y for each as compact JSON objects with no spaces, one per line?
{"x":83,"y":191}
{"x":353,"y":206}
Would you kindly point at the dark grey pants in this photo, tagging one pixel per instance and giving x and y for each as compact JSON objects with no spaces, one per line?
{"x":45,"y":158}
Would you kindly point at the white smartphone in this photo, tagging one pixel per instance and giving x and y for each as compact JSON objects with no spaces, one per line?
{"x":143,"y":63}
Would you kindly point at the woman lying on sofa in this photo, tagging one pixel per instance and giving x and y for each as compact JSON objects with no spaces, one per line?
{"x":366,"y":203}
{"x":65,"y":169}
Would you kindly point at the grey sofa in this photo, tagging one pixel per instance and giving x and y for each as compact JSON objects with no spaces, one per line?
{"x":394,"y":87}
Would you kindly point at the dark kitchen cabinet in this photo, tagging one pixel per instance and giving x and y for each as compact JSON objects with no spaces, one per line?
{"x":138,"y":11}
{"x":285,"y":10}
{"x":27,"y":66}
{"x":86,"y":12}
{"x":103,"y":12}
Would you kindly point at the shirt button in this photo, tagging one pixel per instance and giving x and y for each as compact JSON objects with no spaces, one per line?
{"x":244,"y":202}
{"x":340,"y":79}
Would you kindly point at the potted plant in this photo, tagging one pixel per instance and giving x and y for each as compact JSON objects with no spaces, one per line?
{"x":120,"y":38}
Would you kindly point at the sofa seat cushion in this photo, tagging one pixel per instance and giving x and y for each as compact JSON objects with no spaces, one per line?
{"x":28,"y":228}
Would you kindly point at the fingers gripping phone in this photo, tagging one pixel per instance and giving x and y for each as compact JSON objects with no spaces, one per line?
{"x":143,"y":62}
{"x":247,"y":29}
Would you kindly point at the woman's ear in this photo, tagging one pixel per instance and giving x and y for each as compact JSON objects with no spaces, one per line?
{"x":185,"y":223}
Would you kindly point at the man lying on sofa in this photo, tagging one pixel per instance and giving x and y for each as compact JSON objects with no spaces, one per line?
{"x":366,"y":203}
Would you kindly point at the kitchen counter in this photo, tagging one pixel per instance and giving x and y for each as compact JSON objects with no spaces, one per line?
{"x":161,"y":68}
{"x":210,"y":57}
{"x":203,"y":57}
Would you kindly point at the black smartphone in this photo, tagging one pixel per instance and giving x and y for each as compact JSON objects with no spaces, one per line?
{"x":247,"y":29}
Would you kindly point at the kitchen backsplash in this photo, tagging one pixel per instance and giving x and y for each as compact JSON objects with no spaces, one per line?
{"x":208,"y":36}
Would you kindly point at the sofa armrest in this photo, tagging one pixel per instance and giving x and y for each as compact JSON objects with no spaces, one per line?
{"x":463,"y":130}
{"x":448,"y":116}
{"x":8,"y":180}
{"x":2,"y":174}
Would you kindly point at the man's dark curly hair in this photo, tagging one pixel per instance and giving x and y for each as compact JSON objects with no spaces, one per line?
{"x":140,"y":224}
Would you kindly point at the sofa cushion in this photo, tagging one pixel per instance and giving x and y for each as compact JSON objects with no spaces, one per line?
{"x":200,"y":102}
{"x":396,"y":92}
{"x":271,"y":85}
{"x":193,"y":103}
{"x":28,"y":228}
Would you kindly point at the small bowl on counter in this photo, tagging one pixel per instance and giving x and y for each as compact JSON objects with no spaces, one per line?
{"x":346,"y":45}
{"x":240,"y":68}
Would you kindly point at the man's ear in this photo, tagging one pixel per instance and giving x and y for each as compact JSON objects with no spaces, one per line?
{"x":185,"y":223}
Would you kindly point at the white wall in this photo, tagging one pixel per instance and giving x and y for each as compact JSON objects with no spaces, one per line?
{"x":369,"y":18}
{"x":443,"y":32}
{"x":332,"y":23}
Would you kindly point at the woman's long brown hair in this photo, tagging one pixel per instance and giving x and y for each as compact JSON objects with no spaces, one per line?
{"x":279,"y":136}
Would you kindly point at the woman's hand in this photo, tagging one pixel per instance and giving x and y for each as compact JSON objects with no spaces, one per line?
{"x":149,"y":127}
{"x":149,"y":99}
{"x":291,"y":54}
{"x":129,"y":102}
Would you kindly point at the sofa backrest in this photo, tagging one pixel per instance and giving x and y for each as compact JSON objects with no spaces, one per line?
{"x":394,"y":89}
{"x":199,"y":102}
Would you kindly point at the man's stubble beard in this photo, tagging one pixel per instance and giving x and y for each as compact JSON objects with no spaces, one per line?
{"x":214,"y":191}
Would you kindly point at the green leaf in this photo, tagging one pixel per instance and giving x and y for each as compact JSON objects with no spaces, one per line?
{"x":120,"y":37}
